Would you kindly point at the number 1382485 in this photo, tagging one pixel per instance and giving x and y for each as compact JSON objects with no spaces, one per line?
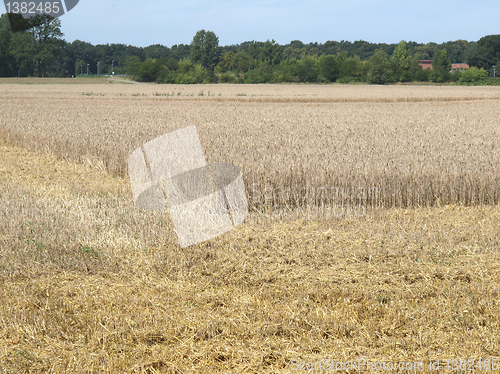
{"x":26,"y":8}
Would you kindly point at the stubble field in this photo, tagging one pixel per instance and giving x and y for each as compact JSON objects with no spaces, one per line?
{"x":374,"y":229}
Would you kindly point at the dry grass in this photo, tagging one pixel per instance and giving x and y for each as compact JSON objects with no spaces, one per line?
{"x":92,"y":284}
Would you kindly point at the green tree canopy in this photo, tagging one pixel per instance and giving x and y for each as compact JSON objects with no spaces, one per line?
{"x":440,"y":60}
{"x":133,"y":65}
{"x":379,"y":71}
{"x":328,"y":68}
{"x":80,"y":67}
{"x":401,"y":60}
{"x":204,"y":49}
{"x":487,"y":53}
{"x":473,"y":74}
{"x":7,"y":59}
{"x":46,"y":44}
{"x":271,"y":52}
{"x":305,"y":69}
{"x":441,"y":66}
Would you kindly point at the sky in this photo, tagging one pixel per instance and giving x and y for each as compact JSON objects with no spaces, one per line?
{"x":169,"y":22}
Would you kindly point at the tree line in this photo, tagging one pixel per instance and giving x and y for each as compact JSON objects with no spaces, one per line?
{"x":41,"y":51}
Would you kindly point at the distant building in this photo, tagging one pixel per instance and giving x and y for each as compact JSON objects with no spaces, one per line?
{"x":460,"y":66}
{"x":426,"y":64}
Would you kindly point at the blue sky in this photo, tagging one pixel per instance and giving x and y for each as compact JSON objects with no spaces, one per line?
{"x":168,"y":22}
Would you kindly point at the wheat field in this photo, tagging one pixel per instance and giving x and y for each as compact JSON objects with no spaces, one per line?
{"x":297,"y":145}
{"x":373,"y":234}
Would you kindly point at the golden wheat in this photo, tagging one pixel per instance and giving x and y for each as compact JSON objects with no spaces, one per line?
{"x":297,"y":145}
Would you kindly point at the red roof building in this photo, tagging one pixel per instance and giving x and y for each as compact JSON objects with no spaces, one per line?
{"x":460,"y":66}
{"x":426,"y":64}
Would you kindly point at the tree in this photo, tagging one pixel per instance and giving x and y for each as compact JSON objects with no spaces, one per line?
{"x":4,"y":22}
{"x":17,"y":23}
{"x":401,"y":62}
{"x":441,"y":66}
{"x":7,"y":59}
{"x":156,"y":51}
{"x":190,"y":72}
{"x":133,"y":65}
{"x":22,"y":50}
{"x":379,"y":71}
{"x":459,"y":50}
{"x":425,"y":52}
{"x":150,"y":69}
{"x":79,"y":65}
{"x":45,"y":44}
{"x":271,"y":52}
{"x":225,"y":62}
{"x":180,"y":51}
{"x":172,"y":63}
{"x":473,"y":75}
{"x":240,"y":62}
{"x":204,"y":49}
{"x":306,"y":70}
{"x":289,"y":53}
{"x":350,"y":68}
{"x":440,"y":61}
{"x":328,"y":68}
{"x":487,"y":53}
{"x":417,"y":72}
{"x":253,"y":50}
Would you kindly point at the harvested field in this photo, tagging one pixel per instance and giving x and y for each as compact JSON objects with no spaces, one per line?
{"x":90,"y":283}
